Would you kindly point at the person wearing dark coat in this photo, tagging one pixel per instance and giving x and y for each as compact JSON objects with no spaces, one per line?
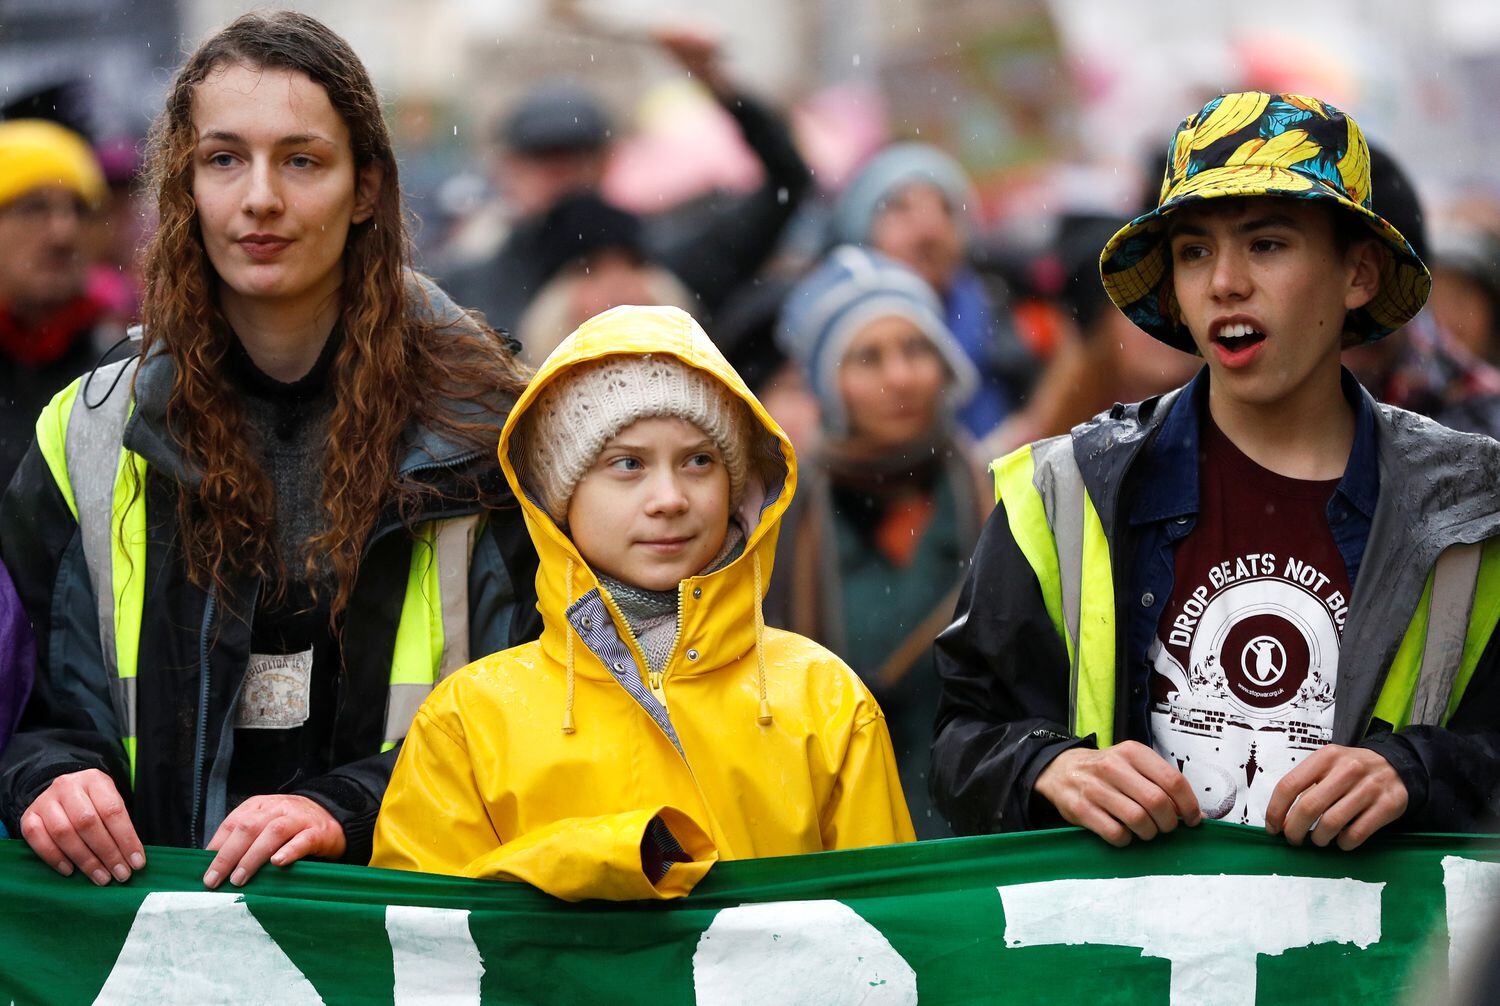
{"x":872,"y":552}
{"x":557,"y":144}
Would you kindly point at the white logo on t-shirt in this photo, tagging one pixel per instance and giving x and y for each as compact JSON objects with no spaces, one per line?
{"x":1255,"y":693}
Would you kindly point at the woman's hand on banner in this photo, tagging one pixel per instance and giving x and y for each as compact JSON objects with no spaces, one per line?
{"x":280,"y":828}
{"x":1124,"y":791}
{"x":81,"y":821}
{"x":1339,"y":793}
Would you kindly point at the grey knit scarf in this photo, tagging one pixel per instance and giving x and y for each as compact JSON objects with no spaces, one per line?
{"x":652,"y":614}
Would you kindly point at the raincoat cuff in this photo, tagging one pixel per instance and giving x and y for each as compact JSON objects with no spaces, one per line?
{"x":684,"y":850}
{"x":605,"y":857}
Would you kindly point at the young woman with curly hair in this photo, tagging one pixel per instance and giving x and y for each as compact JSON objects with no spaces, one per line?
{"x":252,"y":548}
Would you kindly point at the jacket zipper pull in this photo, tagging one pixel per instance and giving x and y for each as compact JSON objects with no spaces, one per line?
{"x":654,"y":679}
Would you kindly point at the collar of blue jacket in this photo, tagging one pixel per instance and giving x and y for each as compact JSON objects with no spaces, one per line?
{"x":1167,"y":473}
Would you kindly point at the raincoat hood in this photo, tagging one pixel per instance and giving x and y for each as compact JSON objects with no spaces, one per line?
{"x":723,"y":622}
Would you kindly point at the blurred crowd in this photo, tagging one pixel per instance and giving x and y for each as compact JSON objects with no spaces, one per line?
{"x":890,"y":328}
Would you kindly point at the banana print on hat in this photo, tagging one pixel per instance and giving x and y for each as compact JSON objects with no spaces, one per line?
{"x":1257,"y":144}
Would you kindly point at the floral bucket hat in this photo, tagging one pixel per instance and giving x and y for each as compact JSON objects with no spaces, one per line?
{"x":1256,"y":144}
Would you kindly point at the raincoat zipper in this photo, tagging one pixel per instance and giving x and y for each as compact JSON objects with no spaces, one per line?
{"x":655,"y":680}
{"x":658,"y":679}
{"x":660,"y":683}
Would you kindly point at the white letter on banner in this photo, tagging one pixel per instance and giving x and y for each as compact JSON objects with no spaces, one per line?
{"x":1473,"y":897}
{"x":1210,"y":928}
{"x":792,"y":952}
{"x":434,"y":955}
{"x":193,"y":947}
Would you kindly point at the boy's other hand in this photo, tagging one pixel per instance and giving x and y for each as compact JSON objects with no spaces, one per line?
{"x":81,"y":821}
{"x":1123,"y":791}
{"x":281,"y":828}
{"x":1339,"y":793}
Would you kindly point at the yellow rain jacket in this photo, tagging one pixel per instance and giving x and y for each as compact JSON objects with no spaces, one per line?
{"x":553,"y":762}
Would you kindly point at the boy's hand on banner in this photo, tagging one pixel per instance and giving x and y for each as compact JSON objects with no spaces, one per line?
{"x":280,"y":828}
{"x":1339,"y":793}
{"x":1123,"y":791}
{"x":81,"y":821}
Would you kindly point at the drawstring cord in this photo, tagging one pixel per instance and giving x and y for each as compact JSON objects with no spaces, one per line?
{"x":764,"y":717}
{"x":567,"y":724}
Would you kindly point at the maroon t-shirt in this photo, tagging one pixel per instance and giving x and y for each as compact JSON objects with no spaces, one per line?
{"x":1245,"y":660}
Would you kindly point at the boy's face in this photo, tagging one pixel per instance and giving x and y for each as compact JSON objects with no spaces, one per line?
{"x":653,"y":509}
{"x":1264,"y":290}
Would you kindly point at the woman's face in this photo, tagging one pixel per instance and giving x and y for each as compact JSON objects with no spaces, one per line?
{"x":892,"y":381}
{"x":917,"y":226}
{"x":275,"y":185}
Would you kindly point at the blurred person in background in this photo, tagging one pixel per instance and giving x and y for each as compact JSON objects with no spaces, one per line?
{"x":876,"y":544}
{"x":1466,"y":289}
{"x":122,"y":230}
{"x":52,"y":326}
{"x":590,"y":257}
{"x":557,"y":143}
{"x":1421,"y":366}
{"x":912,"y":202}
{"x":1100,"y":357}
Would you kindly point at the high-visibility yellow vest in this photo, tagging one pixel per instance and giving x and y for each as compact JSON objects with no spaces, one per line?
{"x":81,"y":439}
{"x":1053,"y":521}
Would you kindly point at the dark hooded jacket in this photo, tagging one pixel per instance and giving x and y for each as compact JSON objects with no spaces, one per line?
{"x":195,"y":644}
{"x":1004,"y":710}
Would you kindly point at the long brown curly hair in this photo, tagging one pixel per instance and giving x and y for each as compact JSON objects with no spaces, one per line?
{"x":396,"y":365}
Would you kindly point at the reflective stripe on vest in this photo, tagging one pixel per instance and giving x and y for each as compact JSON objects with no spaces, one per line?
{"x":432,"y":638}
{"x":107,"y":498}
{"x":81,"y":444}
{"x":1454,"y":620}
{"x":1058,"y":531}
{"x":1054,"y":523}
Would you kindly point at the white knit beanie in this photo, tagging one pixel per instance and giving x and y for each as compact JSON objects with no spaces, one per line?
{"x":569,"y":422}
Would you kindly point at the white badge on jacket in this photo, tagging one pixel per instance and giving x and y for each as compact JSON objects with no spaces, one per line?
{"x":277,"y":691}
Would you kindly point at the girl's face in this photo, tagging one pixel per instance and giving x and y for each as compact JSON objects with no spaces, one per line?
{"x":275,"y":185}
{"x":653,"y":509}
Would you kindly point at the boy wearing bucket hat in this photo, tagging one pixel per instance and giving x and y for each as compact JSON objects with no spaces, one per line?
{"x":1264,"y":597}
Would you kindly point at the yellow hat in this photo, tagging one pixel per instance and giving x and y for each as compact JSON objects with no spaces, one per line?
{"x":35,"y":153}
{"x":1257,"y":144}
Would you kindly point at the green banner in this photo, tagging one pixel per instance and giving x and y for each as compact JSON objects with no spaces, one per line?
{"x":1218,"y":914}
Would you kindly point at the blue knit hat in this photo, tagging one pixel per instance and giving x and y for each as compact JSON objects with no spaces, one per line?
{"x":852,"y":288}
{"x":888,"y":172}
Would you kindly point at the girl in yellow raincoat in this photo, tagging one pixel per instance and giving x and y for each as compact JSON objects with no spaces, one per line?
{"x":658,"y":725}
